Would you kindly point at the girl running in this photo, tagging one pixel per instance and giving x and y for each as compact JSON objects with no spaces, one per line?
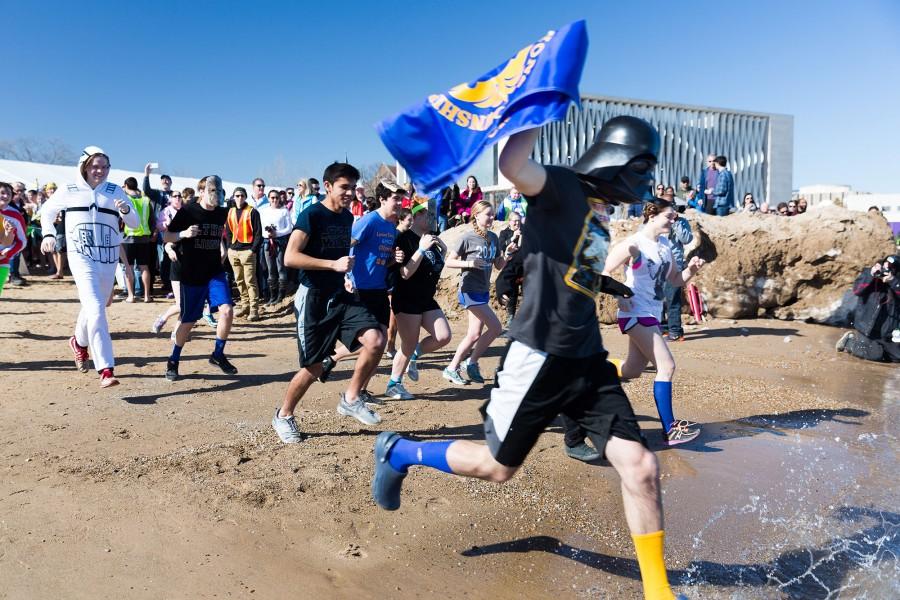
{"x":413,"y":303}
{"x":647,"y":258}
{"x":93,"y":209}
{"x":475,"y":253}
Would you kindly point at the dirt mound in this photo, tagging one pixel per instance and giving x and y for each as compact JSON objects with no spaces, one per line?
{"x":759,"y":265}
{"x":790,"y":268}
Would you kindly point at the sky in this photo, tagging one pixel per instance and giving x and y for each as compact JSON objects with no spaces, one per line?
{"x":284,"y":88}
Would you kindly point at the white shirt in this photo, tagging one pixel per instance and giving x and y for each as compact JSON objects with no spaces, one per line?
{"x":280,"y":218}
{"x":646,"y":276}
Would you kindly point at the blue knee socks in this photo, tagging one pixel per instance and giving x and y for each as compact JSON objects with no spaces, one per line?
{"x":176,"y":353}
{"x":430,"y":454}
{"x":220,"y":347}
{"x":662,"y":394}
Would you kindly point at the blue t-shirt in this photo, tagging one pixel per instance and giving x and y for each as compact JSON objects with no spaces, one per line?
{"x":375,"y":245}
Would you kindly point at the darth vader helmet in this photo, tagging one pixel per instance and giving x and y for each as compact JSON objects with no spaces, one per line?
{"x":619,"y":167}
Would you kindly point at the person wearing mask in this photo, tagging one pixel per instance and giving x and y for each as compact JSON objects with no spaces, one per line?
{"x":200,"y":227}
{"x":276,"y":226}
{"x":244,"y":237}
{"x":93,"y":208}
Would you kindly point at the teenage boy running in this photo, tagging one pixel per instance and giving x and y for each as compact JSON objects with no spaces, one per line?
{"x":326,"y":311}
{"x":200,"y":227}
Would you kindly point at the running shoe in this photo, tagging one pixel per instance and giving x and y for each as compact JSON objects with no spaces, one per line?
{"x":358,"y":410}
{"x":172,"y":370}
{"x":842,"y":343}
{"x":386,"y":480}
{"x":412,"y":371}
{"x":286,"y":428}
{"x":396,"y":391}
{"x":327,"y":366}
{"x":107,"y":379}
{"x":157,"y":324}
{"x":675,"y":338}
{"x":81,"y":355}
{"x":582,"y":452}
{"x":454,"y":376}
{"x":370,"y":398}
{"x":220,"y":361}
{"x":210,"y":320}
{"x":679,"y":433}
{"x":474,"y":373}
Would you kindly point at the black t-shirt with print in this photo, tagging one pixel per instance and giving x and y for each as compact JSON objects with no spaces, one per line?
{"x":423,"y":283}
{"x":565,"y":245}
{"x":329,"y":239}
{"x":201,"y":256}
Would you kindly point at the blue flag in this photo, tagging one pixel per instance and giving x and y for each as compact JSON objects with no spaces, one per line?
{"x":438,"y":140}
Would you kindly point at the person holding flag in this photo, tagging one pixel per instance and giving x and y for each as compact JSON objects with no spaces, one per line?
{"x":555,"y":363}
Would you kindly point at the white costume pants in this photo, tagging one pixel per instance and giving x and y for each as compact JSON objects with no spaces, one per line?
{"x":94,"y":282}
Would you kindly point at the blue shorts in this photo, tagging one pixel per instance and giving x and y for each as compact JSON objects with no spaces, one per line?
{"x":473,"y":299}
{"x":217,"y":292}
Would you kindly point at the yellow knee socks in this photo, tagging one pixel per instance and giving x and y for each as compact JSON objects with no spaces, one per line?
{"x":649,"y":550}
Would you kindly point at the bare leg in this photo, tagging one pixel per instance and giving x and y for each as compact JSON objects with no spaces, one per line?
{"x":435,"y":323}
{"x":300,"y":382}
{"x":474,"y":460}
{"x":408,"y":328}
{"x":493,"y":328}
{"x":639,"y":471}
{"x":223,"y":325}
{"x":650,"y":344}
{"x":472,"y":334}
{"x":129,"y":281}
{"x":145,"y":280}
{"x":372,"y":341}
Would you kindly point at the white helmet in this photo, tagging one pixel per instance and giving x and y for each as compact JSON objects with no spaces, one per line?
{"x":88,"y":152}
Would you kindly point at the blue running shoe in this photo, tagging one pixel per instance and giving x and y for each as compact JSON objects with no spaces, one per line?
{"x":386,"y":481}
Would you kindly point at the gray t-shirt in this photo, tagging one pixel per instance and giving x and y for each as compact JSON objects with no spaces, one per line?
{"x":565,"y":245}
{"x":472,"y":246}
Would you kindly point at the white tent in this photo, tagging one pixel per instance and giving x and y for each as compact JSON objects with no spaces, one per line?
{"x":37,"y":175}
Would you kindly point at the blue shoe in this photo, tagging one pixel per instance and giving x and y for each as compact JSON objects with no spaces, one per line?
{"x":386,"y":481}
{"x":474,"y":372}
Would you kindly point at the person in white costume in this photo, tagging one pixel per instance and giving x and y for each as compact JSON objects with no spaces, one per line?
{"x":93,"y":208}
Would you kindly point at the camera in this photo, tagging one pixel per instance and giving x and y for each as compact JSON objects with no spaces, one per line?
{"x":893,"y":267}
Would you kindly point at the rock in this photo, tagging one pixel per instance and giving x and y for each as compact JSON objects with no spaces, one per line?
{"x":791,"y":268}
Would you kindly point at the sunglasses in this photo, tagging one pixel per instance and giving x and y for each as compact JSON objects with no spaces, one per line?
{"x":176,"y":195}
{"x":260,"y":185}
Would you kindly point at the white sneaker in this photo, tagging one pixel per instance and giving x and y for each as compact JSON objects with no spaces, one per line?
{"x":358,"y":410}
{"x":412,"y":371}
{"x":398,"y":392}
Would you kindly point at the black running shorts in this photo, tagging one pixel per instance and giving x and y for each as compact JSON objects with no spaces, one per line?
{"x":533,"y":387}
{"x":378,"y":304}
{"x":322,"y":319}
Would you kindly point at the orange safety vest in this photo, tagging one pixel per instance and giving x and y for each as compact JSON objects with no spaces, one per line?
{"x":240,"y":231}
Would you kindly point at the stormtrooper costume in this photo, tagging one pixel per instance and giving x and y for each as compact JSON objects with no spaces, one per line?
{"x":92,"y":238}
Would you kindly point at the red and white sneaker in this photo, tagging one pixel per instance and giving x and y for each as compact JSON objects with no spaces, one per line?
{"x":107,"y":379}
{"x":81,"y":355}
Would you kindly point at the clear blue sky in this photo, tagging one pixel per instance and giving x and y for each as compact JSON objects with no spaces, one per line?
{"x":246,"y":88}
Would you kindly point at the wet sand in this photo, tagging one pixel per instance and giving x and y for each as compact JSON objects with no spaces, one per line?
{"x":154,"y":489}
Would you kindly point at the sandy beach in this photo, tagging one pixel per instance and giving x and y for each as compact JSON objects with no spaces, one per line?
{"x":155,"y":489}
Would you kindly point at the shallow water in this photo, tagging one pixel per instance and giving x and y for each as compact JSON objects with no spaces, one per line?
{"x":809,"y":506}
